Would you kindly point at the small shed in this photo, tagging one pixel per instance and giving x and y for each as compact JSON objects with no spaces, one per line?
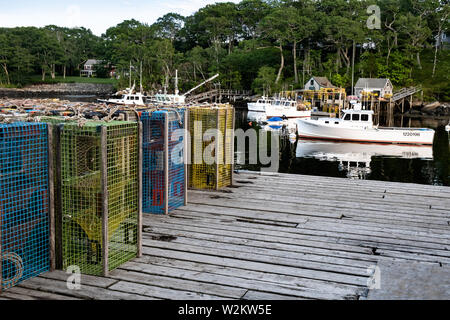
{"x":381,"y":86}
{"x":317,"y":83}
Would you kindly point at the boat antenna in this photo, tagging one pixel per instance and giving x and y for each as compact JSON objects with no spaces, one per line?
{"x":130,"y":74}
{"x":176,"y":83}
{"x":140,"y":79}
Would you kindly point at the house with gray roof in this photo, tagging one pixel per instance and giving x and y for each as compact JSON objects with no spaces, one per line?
{"x":380,"y":86}
{"x":317,"y":83}
{"x":89,"y":67}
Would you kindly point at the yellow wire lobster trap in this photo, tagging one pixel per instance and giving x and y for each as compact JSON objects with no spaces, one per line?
{"x":100,"y":195}
{"x":211,"y":146}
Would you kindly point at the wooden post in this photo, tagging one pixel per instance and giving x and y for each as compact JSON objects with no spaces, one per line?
{"x":217,"y":147}
{"x":104,"y":185}
{"x":51,"y":198}
{"x":140,"y":159}
{"x":225,"y":135}
{"x":58,"y":197}
{"x":166,"y":163}
{"x":403,"y":110}
{"x":232,"y":147}
{"x":185,"y":154}
{"x":410,"y":106}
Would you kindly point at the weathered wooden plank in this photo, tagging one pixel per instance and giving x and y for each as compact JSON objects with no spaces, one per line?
{"x":237,"y":282}
{"x":236,"y":259}
{"x":246,"y":213}
{"x":147,"y":292}
{"x":89,"y":280}
{"x":331,"y":197}
{"x":177,"y":284}
{"x":328,"y":209}
{"x":312,"y":235}
{"x":86,"y":292}
{"x":257,"y":295}
{"x":355,"y":185}
{"x":336,"y":181}
{"x":271,"y":236}
{"x":39,"y":295}
{"x":239,"y":273}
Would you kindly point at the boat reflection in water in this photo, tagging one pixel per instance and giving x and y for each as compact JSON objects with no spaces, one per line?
{"x":355,"y":158}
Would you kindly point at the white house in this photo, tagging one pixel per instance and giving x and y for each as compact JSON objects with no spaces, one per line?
{"x":317,"y":83}
{"x":381,"y":87}
{"x":89,"y":68}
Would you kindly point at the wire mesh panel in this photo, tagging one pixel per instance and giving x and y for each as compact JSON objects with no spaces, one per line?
{"x":163,"y":161}
{"x":100,"y":198}
{"x":211,"y":161}
{"x":54,"y":123}
{"x":24,"y":209}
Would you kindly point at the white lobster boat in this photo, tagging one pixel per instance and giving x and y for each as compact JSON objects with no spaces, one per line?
{"x":283,"y":108}
{"x":357,"y":126}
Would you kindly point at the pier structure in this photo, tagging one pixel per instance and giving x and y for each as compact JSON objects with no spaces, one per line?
{"x":385,"y":107}
{"x":363,"y":240}
{"x":330,"y":100}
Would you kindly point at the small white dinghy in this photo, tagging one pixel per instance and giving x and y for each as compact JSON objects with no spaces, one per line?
{"x":357,"y":126}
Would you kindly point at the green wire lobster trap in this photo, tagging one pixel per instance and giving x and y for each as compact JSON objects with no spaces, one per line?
{"x":100,"y":195}
{"x":212,"y":146}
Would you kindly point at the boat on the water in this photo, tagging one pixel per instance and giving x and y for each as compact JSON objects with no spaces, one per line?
{"x":127,"y":97}
{"x":357,"y":126}
{"x":280,"y":107}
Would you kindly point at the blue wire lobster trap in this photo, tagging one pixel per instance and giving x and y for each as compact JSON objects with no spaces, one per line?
{"x":24,"y":202}
{"x":163,"y":167}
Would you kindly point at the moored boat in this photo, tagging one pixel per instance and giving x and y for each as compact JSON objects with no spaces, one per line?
{"x":283,"y":108}
{"x":127,"y":97}
{"x":357,"y":126}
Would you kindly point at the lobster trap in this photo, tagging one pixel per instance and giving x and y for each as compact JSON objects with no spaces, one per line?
{"x":211,"y":147}
{"x":163,"y":167}
{"x":100,"y":195}
{"x":25,"y":217}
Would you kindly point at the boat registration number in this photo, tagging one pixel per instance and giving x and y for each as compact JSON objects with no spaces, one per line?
{"x":411,"y":134}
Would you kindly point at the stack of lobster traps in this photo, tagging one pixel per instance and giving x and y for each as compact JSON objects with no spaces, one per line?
{"x":75,"y":181}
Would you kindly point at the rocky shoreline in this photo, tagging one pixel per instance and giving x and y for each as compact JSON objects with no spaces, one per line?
{"x":58,"y":90}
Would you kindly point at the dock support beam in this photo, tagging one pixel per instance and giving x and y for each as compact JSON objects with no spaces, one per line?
{"x":51,"y":198}
{"x":140,"y":160}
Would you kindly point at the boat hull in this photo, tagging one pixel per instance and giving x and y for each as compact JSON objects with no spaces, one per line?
{"x":310,"y":129}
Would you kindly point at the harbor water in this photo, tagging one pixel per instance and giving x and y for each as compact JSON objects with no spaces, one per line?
{"x":409,"y":164}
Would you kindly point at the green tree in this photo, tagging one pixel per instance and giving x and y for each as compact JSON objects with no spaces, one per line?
{"x":265,"y":80}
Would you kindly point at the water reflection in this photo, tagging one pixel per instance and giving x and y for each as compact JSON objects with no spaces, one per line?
{"x":355,"y":158}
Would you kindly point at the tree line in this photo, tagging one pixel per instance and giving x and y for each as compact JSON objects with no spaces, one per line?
{"x":264,"y":45}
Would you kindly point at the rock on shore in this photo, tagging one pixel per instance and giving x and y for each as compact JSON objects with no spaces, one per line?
{"x":55,"y":90}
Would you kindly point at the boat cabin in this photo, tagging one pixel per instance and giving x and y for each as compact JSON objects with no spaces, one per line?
{"x":357,"y":115}
{"x":351,"y":119}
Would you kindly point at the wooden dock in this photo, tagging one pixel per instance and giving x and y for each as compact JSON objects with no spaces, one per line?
{"x":282,"y":237}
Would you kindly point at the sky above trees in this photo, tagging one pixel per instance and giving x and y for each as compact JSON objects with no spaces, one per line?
{"x":97,"y":15}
